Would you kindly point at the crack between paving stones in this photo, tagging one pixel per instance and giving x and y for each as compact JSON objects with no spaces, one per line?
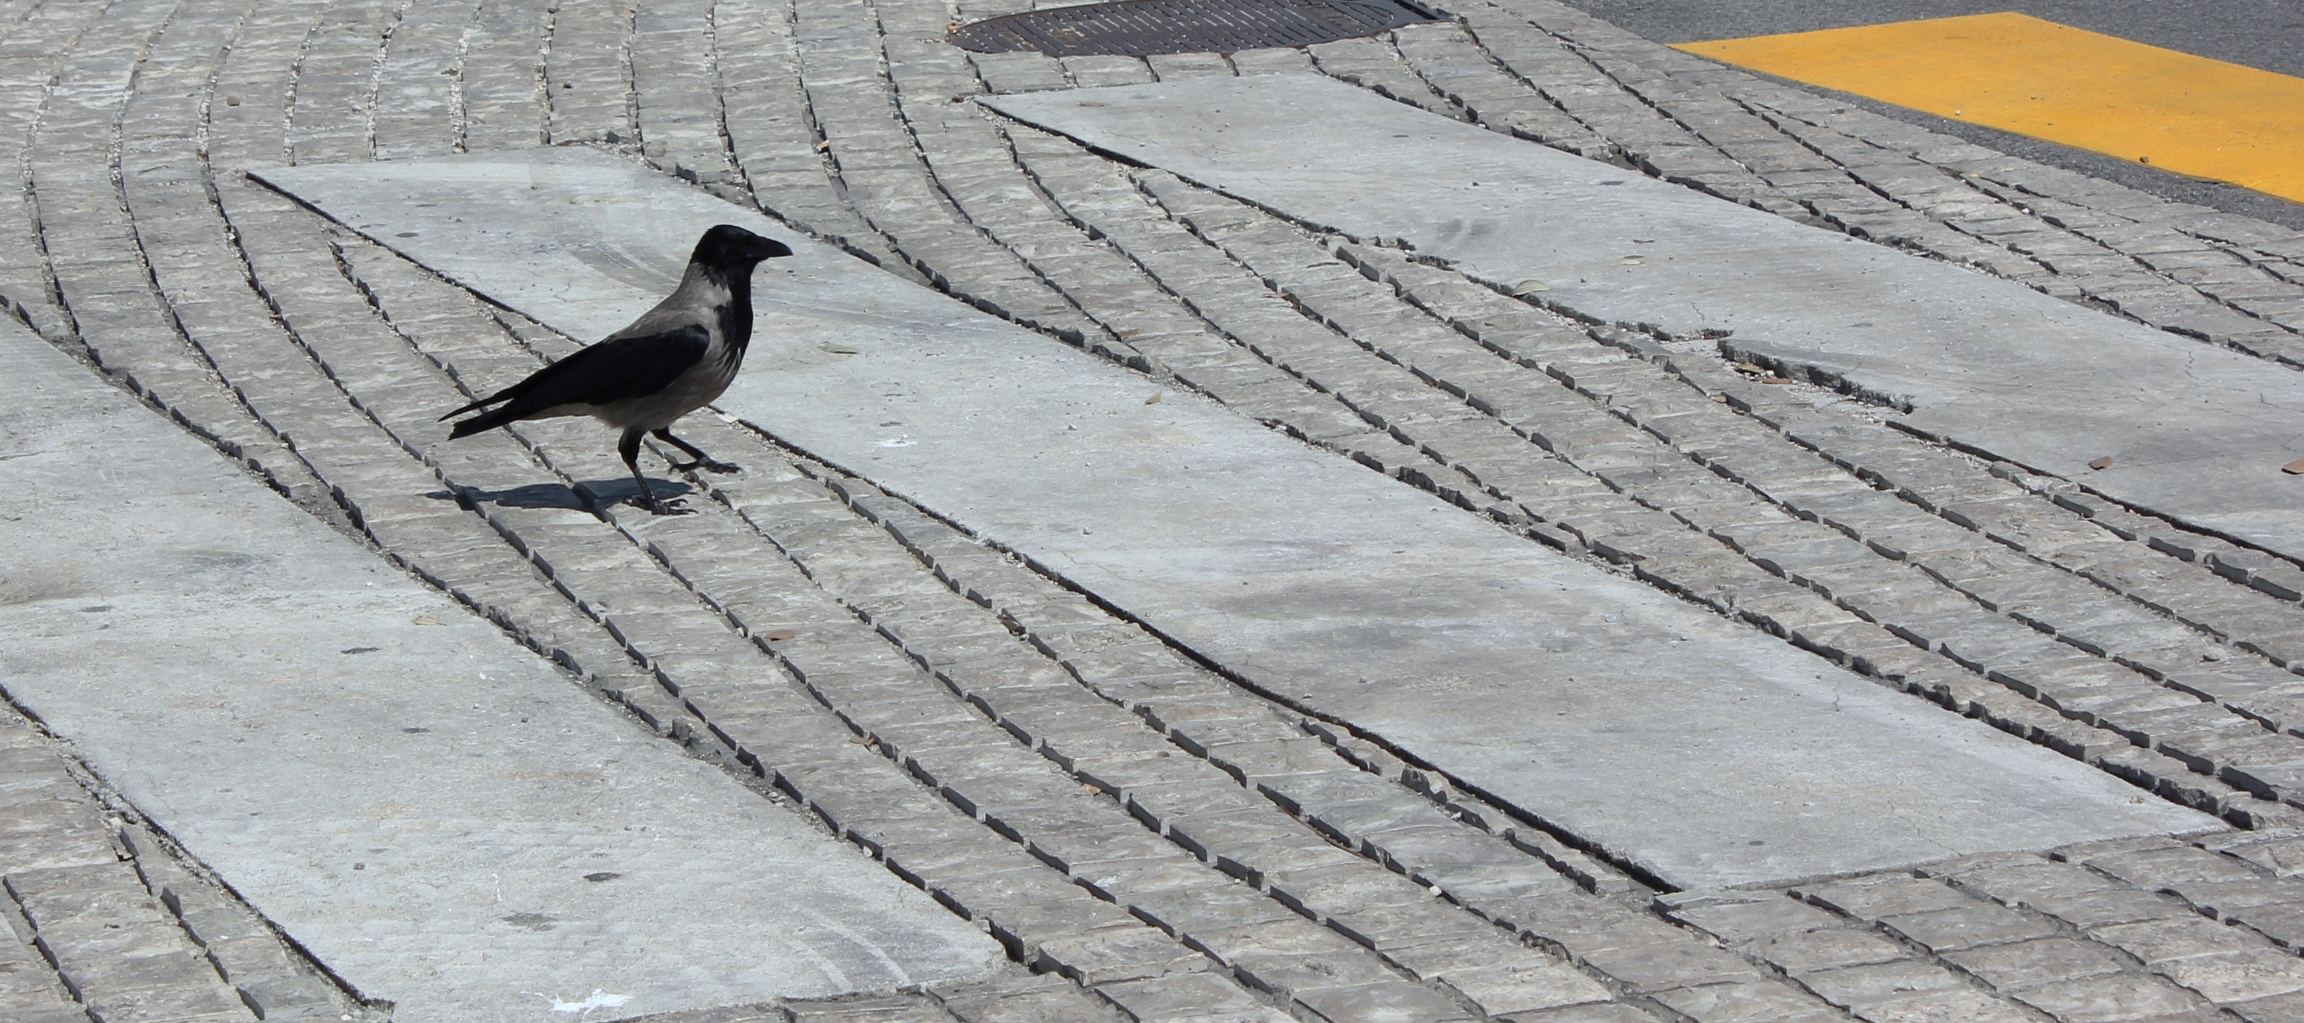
{"x":15,"y":925}
{"x":295,"y":80}
{"x":2230,"y":917}
{"x":8,"y":31}
{"x":327,"y":509}
{"x":1793,"y":507}
{"x":720,"y":107}
{"x":624,"y":64}
{"x":376,"y":75}
{"x":339,"y":259}
{"x":790,"y":16}
{"x":2180,"y":526}
{"x":1869,"y":613}
{"x":886,"y":259}
{"x":169,"y":848}
{"x":862,"y":729}
{"x":14,"y":917}
{"x":350,"y":515}
{"x":1776,"y":119}
{"x":459,"y":114}
{"x":30,"y":196}
{"x":1838,"y":223}
{"x":544,"y":99}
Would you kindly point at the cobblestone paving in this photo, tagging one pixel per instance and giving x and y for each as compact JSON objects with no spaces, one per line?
{"x":106,"y":922}
{"x":1148,"y":839}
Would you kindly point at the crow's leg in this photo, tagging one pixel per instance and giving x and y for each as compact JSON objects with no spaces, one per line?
{"x":629,"y":447}
{"x":702,"y":460}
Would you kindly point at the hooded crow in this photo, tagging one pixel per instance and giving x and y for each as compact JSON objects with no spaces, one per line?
{"x":671,"y":361}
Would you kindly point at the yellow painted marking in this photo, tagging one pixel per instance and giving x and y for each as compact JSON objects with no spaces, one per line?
{"x":2017,"y":73}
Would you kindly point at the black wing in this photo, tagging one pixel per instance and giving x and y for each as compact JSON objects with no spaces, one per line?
{"x":613,"y":370}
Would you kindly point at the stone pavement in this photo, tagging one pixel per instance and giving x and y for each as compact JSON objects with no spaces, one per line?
{"x":1987,"y":366}
{"x":1306,"y":576}
{"x":426,"y":785}
{"x":1145,"y":836}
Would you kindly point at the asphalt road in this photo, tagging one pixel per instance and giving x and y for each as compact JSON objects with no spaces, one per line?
{"x":2266,"y":34}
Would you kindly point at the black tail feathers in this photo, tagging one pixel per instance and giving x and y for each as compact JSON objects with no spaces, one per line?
{"x":484,"y":421}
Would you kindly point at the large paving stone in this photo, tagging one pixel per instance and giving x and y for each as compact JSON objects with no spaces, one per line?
{"x":431,"y":811}
{"x":2194,"y":431}
{"x":1704,"y":752}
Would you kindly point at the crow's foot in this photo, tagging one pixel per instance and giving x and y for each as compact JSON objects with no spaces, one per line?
{"x":709,"y":465}
{"x":659,"y":506}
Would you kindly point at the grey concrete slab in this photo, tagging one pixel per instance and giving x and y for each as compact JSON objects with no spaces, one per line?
{"x":433,"y":812}
{"x":1704,"y":752}
{"x":2195,"y":431}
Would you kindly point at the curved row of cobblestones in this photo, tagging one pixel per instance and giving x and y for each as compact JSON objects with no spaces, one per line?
{"x":98,"y":914}
{"x":2224,"y":278}
{"x":1113,"y":812}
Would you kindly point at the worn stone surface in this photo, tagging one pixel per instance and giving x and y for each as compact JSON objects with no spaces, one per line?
{"x":368,"y":764}
{"x":1984,"y":363}
{"x":1157,"y":839}
{"x":1306,"y":576}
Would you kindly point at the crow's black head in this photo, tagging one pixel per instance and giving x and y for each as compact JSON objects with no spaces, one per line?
{"x":730,"y":247}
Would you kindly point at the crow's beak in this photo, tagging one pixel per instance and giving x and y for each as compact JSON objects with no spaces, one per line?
{"x":770,"y":248}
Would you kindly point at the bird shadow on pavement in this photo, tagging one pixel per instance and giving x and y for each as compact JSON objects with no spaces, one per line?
{"x":584,"y":496}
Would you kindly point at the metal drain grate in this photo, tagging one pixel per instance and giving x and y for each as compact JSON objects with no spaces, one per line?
{"x":1138,"y":28}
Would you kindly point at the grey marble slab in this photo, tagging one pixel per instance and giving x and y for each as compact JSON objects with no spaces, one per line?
{"x":434,"y":813}
{"x":2194,"y":431}
{"x":1703,"y":751}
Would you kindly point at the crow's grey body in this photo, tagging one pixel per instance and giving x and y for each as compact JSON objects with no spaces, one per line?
{"x":673,"y":360}
{"x":684,"y":331}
